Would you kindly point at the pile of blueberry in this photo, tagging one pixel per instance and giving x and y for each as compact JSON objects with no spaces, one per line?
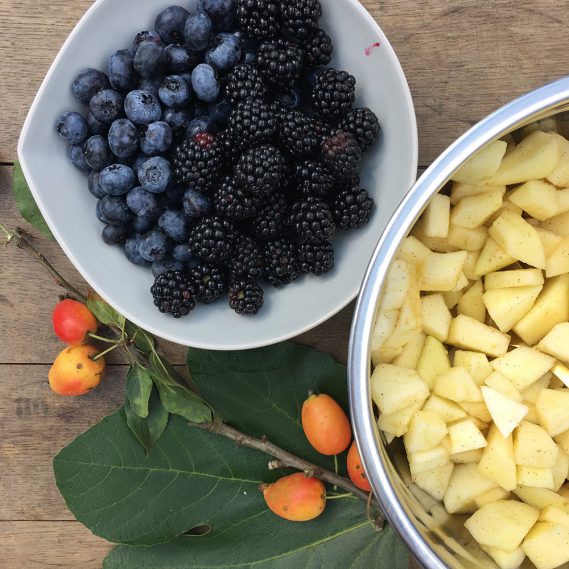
{"x":222,"y":151}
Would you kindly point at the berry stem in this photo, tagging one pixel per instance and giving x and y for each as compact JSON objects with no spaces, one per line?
{"x":107,"y":351}
{"x":338,"y":496}
{"x":102,"y":339}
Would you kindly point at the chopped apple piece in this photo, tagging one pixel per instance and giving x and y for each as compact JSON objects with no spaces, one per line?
{"x":552,"y":408}
{"x":560,"y":469}
{"x":472,"y":212}
{"x":435,"y":482}
{"x":465,"y":436}
{"x":384,"y":326}
{"x":491,"y":258}
{"x":467,"y":239}
{"x":540,"y":497}
{"x":535,"y":477}
{"x":460,"y":191}
{"x":477,"y":410}
{"x":397,"y":423}
{"x":491,"y":496}
{"x":502,"y":384}
{"x":556,"y":343}
{"x":468,"y":457}
{"x":411,"y":353}
{"x":514,"y":279}
{"x":472,"y":302}
{"x":506,"y":413}
{"x":563,"y":441}
{"x":483,"y":165}
{"x":413,"y":252}
{"x":452,"y":297}
{"x":555,"y":515}
{"x":563,"y":199}
{"x":426,"y":430}
{"x":436,"y":244}
{"x":523,"y":366}
{"x":549,"y":240}
{"x":426,"y":460}
{"x":466,"y":483}
{"x":558,"y":260}
{"x":457,"y":385}
{"x":560,"y":174}
{"x":394,"y":388}
{"x":506,"y":559}
{"x":399,"y":280}
{"x":434,"y":361}
{"x":531,"y":394}
{"x":534,"y":447}
{"x":467,"y":333}
{"x":448,"y":410}
{"x":558,"y":224}
{"x":497,"y":462}
{"x":436,"y":316}
{"x":475,"y":363}
{"x":436,"y":217}
{"x":537,"y":198}
{"x":408,"y":324}
{"x":470,"y":265}
{"x":547,"y":545}
{"x":507,"y":306}
{"x":532,"y":413}
{"x":502,"y":524}
{"x":461,"y":284}
{"x":440,"y":271}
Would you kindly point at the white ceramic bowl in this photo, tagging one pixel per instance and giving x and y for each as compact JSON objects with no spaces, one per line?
{"x":69,"y":208}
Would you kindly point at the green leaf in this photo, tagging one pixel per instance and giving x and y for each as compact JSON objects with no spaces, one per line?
{"x":177,"y":398}
{"x":138,"y":388}
{"x":142,"y":339}
{"x":105,"y":313}
{"x":190,"y":478}
{"x":26,"y":203}
{"x":261,"y":392}
{"x":341,"y":537}
{"x":148,"y":430}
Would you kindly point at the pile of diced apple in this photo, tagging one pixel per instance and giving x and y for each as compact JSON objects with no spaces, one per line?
{"x":470,"y":346}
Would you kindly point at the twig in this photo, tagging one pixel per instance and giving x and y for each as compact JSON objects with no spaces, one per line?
{"x":285,"y":459}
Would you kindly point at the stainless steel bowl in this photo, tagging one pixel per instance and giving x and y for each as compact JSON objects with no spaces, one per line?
{"x":435,"y":542}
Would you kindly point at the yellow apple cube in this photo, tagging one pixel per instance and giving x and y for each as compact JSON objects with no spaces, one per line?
{"x":555,"y":515}
{"x":457,"y":385}
{"x":459,"y":191}
{"x":552,"y":408}
{"x":506,"y":413}
{"x":531,"y":394}
{"x":558,"y":224}
{"x":426,"y":430}
{"x":413,"y":252}
{"x":491,"y":258}
{"x":558,"y":260}
{"x":549,"y":240}
{"x":467,"y":457}
{"x":534,"y":447}
{"x":436,"y":316}
{"x":465,"y":436}
{"x":426,"y":460}
{"x":447,"y":410}
{"x":436,"y":217}
{"x":466,"y":483}
{"x":397,"y":423}
{"x":507,"y":306}
{"x":434,"y":361}
{"x":540,"y":498}
{"x":467,"y":239}
{"x":538,"y":198}
{"x":472,"y":302}
{"x":506,"y":559}
{"x":402,"y":276}
{"x":483,"y":165}
{"x":556,"y":343}
{"x":535,"y":477}
{"x":470,"y":334}
{"x":491,"y":496}
{"x":560,"y":470}
{"x":523,"y":366}
{"x":475,"y":363}
{"x":384,"y":327}
{"x":435,"y":482}
{"x":411,"y":353}
{"x":514,"y":279}
{"x":547,"y":545}
{"x":477,"y":410}
{"x":440,"y":271}
{"x":500,"y":383}
{"x":473,"y":211}
{"x":497,"y":462}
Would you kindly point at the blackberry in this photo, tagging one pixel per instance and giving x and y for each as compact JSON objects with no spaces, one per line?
{"x":300,"y":17}
{"x":251,"y":122}
{"x":245,"y":296}
{"x":280,"y":62}
{"x":259,"y":19}
{"x":212,"y":240}
{"x":270,"y":219}
{"x":261,"y":170}
{"x":342,"y":156}
{"x":232,"y":202}
{"x":317,"y":257}
{"x":299,"y":134}
{"x":363,"y":125}
{"x":173,"y":294}
{"x":246,"y":260}
{"x":352,"y":208}
{"x":244,"y":82}
{"x":208,"y":282}
{"x":281,"y":262}
{"x":313,"y":179}
{"x":231,"y":151}
{"x":312,"y":219}
{"x":198,"y":162}
{"x":318,"y":49}
{"x":334,"y":94}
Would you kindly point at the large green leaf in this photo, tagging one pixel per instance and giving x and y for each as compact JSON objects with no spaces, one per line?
{"x":190,"y":478}
{"x":261,"y":391}
{"x":341,"y":538}
{"x":26,"y":203}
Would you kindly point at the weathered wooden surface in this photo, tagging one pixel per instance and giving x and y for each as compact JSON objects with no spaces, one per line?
{"x":462,"y":59}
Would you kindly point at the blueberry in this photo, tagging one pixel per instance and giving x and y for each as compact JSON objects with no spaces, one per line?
{"x":123,"y":138}
{"x":171,"y":198}
{"x":94,"y":186}
{"x":107,"y":105}
{"x":165,"y":265}
{"x":224,"y":52}
{"x":139,"y":160}
{"x":142,"y":107}
{"x":142,"y":224}
{"x":197,"y":31}
{"x":142,"y":203}
{"x":178,"y":59}
{"x":114,"y":211}
{"x":174,"y":92}
{"x":72,"y":128}
{"x":196,"y":205}
{"x":75,"y":153}
{"x":131,"y":250}
{"x":201,"y":111}
{"x":170,"y":24}
{"x":181,"y":252}
{"x":89,"y":82}
{"x":200,"y":125}
{"x":99,"y":213}
{"x":97,"y":153}
{"x":220,"y":111}
{"x":146,"y":35}
{"x":150,"y":85}
{"x":149,"y":59}
{"x":154,"y":246}
{"x":174,"y":224}
{"x":290,"y":99}
{"x":122,"y":75}
{"x":115,"y":234}
{"x":95,"y":126}
{"x":176,"y":118}
{"x":157,"y":139}
{"x":221,"y":12}
{"x":154,"y":174}
{"x":117,"y":179}
{"x":205,"y":83}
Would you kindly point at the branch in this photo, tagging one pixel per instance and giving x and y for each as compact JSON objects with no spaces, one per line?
{"x":286,"y":459}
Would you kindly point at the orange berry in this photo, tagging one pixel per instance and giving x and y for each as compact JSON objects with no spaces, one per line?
{"x":296,"y":498}
{"x":72,"y":321}
{"x":325,"y":425}
{"x":356,"y":470}
{"x":74,"y":372}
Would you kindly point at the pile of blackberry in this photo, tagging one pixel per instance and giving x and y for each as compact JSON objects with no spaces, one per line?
{"x":223,"y":152}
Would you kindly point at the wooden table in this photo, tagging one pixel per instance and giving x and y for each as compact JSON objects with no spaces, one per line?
{"x":462,"y":59}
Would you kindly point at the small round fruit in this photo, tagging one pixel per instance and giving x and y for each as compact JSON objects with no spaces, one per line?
{"x":74,"y":372}
{"x":72,"y":321}
{"x":325,"y":425}
{"x":356,"y":470}
{"x":296,"y":498}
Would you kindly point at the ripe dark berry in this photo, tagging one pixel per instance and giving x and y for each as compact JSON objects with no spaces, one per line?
{"x":246,"y":260}
{"x":261,"y":170}
{"x":299,"y":134}
{"x":244,"y":82}
{"x":300,"y":17}
{"x":334,"y":94}
{"x":212,"y":240}
{"x":281,"y":262}
{"x":280,"y":62}
{"x":259,"y":19}
{"x":173,"y":294}
{"x":245,"y":296}
{"x":271,"y":218}
{"x":352,"y":208}
{"x":313,"y":179}
{"x":312,"y":220}
{"x":208,"y":282}
{"x":342,"y":156}
{"x":318,"y":49}
{"x":251,"y":122}
{"x":363,"y":125}
{"x":233,"y":202}
{"x":316,"y":257}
